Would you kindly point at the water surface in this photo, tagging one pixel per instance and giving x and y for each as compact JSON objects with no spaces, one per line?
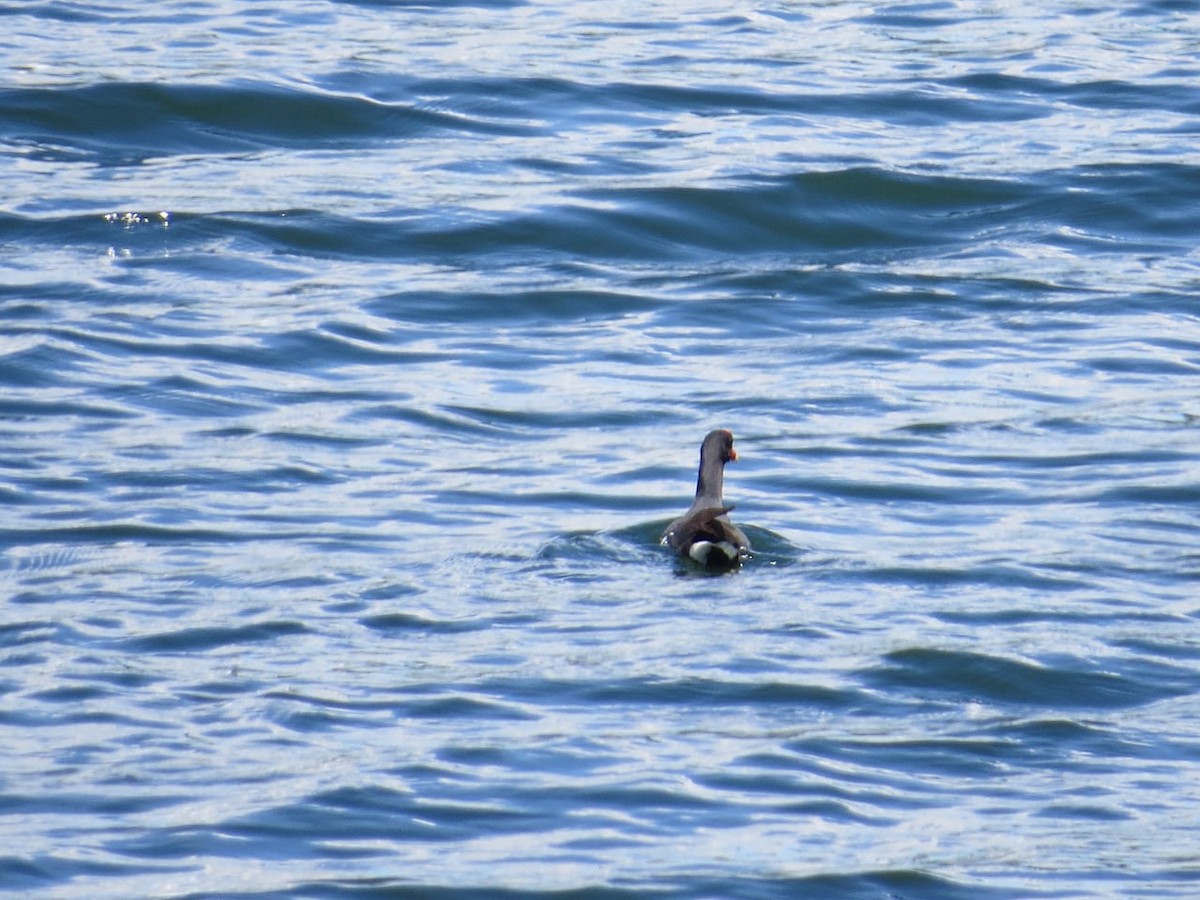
{"x":354,"y":355}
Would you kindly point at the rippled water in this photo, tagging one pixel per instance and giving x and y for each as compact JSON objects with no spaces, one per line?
{"x":354,"y":355}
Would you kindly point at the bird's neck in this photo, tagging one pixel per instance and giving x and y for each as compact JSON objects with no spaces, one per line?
{"x":711,"y":481}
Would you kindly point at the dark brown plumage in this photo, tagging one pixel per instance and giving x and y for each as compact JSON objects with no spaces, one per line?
{"x":704,"y":533}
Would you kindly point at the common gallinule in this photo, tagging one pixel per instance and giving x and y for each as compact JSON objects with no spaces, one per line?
{"x":704,"y":533}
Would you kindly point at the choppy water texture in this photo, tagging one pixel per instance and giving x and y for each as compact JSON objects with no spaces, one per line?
{"x":354,"y":354}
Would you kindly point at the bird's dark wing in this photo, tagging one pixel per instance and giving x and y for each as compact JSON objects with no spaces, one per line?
{"x":700,"y":525}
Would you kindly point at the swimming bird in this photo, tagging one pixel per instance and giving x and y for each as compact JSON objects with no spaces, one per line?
{"x":704,"y":533}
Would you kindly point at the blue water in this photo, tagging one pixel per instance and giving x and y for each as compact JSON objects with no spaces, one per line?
{"x":354,"y":354}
